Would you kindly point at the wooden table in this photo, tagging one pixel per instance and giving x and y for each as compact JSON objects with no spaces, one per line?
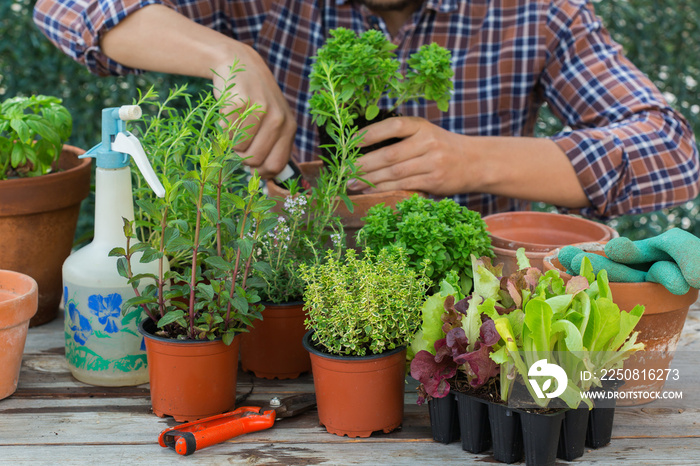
{"x":54,"y":419}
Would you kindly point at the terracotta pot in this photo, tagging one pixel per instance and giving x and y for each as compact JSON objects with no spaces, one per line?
{"x":38,"y":217}
{"x":659,"y":328}
{"x":190,"y":379}
{"x":352,"y":221}
{"x":539,"y":233}
{"x":273,"y":349}
{"x":358,"y":395}
{"x":18,"y":303}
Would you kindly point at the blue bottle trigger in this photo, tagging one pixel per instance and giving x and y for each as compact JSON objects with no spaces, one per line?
{"x":118,"y":145}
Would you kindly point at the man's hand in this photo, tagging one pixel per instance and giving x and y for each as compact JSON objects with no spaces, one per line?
{"x":428,"y":158}
{"x":443,"y":163}
{"x":272,"y":135}
{"x":157,"y":38}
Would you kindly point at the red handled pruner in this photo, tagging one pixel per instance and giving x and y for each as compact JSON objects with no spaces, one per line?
{"x":187,"y":438}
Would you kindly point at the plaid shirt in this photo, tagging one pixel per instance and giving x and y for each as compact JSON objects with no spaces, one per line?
{"x":630,"y":150}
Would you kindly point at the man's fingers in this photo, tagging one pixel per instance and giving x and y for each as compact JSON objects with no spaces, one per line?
{"x":396,"y":127}
{"x":270,"y":149}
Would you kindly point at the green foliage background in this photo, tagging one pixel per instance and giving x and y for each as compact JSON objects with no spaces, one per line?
{"x":662,"y":37}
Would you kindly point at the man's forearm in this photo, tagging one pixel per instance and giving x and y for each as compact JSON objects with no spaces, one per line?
{"x":168,"y":42}
{"x":534,"y":169}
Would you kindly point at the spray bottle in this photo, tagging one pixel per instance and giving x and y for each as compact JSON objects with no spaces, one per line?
{"x":102,"y":346}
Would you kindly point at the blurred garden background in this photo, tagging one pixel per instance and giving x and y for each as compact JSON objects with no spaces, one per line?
{"x":662,"y":37}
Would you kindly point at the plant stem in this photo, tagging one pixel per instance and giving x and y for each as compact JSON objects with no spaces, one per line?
{"x":195,"y":250}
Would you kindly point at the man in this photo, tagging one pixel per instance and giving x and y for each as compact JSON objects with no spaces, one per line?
{"x":624,"y":150}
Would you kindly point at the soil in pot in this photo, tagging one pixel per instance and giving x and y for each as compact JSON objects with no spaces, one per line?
{"x":18,"y":303}
{"x":444,"y":422}
{"x":38,"y":217}
{"x":357,"y":396}
{"x":273,"y":348}
{"x":659,"y":329}
{"x":190,"y":379}
{"x":539,"y":233}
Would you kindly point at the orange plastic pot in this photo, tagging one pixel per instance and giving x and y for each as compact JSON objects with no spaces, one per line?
{"x":18,"y":303}
{"x":539,"y":233}
{"x":659,"y":328}
{"x":190,"y":379}
{"x":38,"y":217}
{"x":356,"y":396}
{"x":272,"y":348}
{"x":352,"y":221}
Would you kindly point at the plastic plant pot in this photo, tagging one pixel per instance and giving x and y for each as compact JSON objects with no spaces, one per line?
{"x":572,"y":438}
{"x":541,"y":436}
{"x":506,"y":433}
{"x":473,"y":423}
{"x":444,"y":422}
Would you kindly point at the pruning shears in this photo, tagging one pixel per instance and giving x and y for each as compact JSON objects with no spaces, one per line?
{"x":189,"y":437}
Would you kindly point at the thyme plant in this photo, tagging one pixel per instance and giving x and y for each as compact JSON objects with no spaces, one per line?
{"x":363,"y":305}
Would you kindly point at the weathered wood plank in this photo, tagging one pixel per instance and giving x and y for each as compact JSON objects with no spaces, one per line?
{"x":54,"y":419}
{"x":624,"y":452}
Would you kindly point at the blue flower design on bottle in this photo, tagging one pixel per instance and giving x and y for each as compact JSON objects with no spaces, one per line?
{"x":79,"y":324}
{"x":107,"y":309}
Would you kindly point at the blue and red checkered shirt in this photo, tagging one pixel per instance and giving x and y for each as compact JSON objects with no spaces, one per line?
{"x":631,"y":151}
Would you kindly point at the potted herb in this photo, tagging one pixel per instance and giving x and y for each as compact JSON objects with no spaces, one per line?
{"x":42,"y":183}
{"x":273,"y":346}
{"x":208,"y":227}
{"x":442,"y":231}
{"x":350,"y":78}
{"x":363,"y":311}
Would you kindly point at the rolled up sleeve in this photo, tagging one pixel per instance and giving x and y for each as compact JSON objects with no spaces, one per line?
{"x":76,"y":27}
{"x":631,"y":151}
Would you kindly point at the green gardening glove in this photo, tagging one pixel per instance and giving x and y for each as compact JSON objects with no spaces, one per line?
{"x":674,"y":245}
{"x":666,"y":273}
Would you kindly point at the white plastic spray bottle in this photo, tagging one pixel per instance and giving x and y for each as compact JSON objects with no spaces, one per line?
{"x":102,"y":346}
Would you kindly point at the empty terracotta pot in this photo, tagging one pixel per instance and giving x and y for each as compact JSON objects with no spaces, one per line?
{"x":659,"y":328}
{"x":539,"y":233}
{"x":352,"y":221}
{"x":273,"y":348}
{"x":190,"y":379}
{"x":18,"y":303}
{"x":356,"y":396}
{"x":38,"y":217}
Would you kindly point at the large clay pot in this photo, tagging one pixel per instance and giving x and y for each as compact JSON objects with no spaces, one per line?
{"x":18,"y":303}
{"x":272,"y":348}
{"x":38,"y":217}
{"x":190,"y":379}
{"x":358,"y":395}
{"x":659,"y":328}
{"x":539,"y":233}
{"x":352,"y":221}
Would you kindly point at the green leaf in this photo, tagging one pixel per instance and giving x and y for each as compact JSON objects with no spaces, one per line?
{"x":122,"y":267}
{"x":348,"y":203}
{"x":171,"y":317}
{"x":219,"y":263}
{"x":371,"y":112}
